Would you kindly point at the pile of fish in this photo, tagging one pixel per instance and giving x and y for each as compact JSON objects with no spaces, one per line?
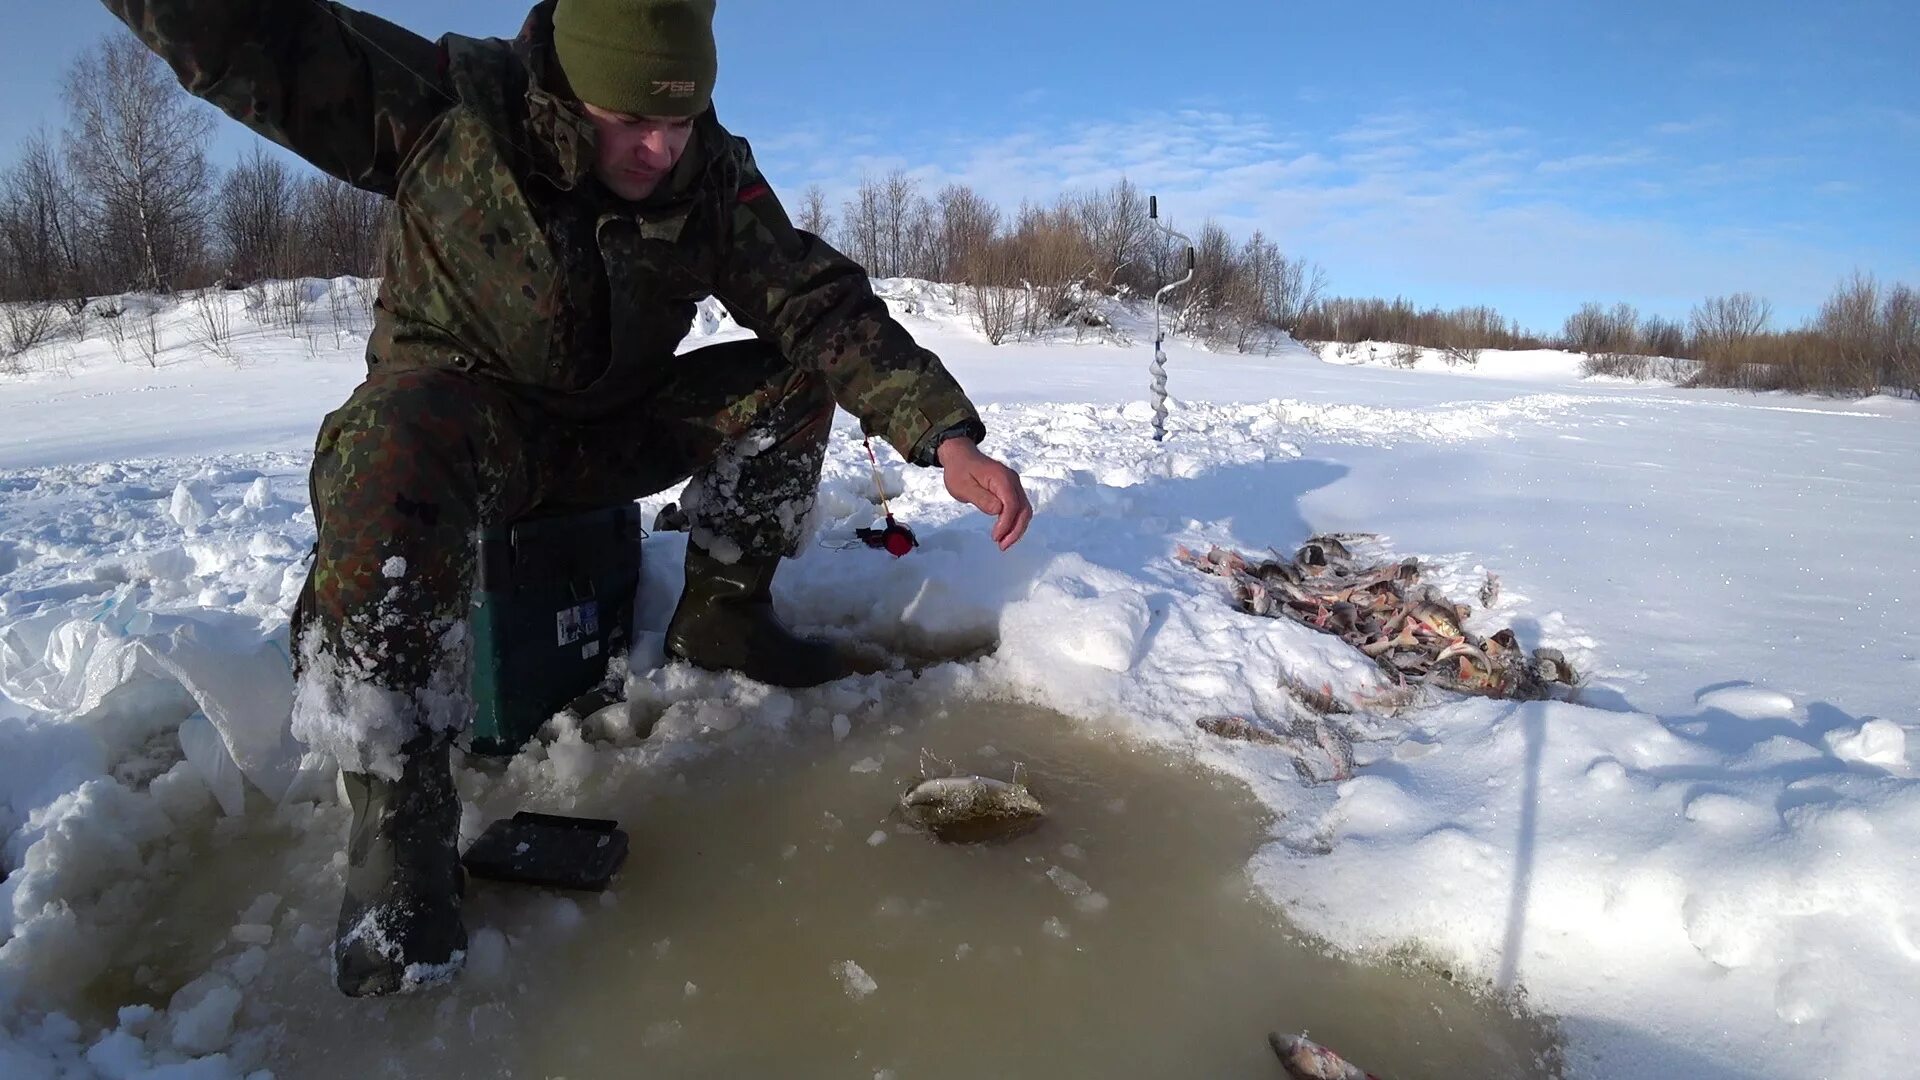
{"x":1412,"y":630}
{"x":964,"y":809}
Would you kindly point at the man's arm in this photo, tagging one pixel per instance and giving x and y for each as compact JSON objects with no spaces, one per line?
{"x":347,"y":91}
{"x":793,"y":288}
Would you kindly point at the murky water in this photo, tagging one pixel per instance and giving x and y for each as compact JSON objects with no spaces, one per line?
{"x":775,"y":918}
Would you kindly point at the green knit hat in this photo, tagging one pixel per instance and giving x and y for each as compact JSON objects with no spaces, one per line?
{"x":644,"y":57}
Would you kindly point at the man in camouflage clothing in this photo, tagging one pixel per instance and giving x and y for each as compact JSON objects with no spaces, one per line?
{"x":561,"y":203}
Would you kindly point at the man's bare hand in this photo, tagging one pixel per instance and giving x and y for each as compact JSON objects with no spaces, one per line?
{"x":974,"y":478}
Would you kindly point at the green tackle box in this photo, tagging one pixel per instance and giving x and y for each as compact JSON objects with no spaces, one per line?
{"x":553,"y":601}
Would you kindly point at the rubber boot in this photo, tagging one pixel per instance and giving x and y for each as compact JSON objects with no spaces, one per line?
{"x":725,"y":622}
{"x":400,"y":925}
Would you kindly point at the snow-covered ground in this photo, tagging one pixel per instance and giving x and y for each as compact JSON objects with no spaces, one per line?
{"x":1706,"y":865}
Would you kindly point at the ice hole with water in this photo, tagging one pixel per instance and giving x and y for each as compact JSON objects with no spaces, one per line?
{"x":1152,"y":955}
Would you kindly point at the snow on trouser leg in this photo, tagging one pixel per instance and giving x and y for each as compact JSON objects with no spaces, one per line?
{"x":747,"y":507}
{"x":757,"y":472}
{"x":400,"y":926}
{"x":404,"y":474}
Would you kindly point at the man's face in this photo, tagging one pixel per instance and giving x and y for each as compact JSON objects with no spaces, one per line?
{"x":637,"y":152}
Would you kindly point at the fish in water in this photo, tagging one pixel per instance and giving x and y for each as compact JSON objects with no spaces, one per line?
{"x":972,"y":809}
{"x":1305,"y":1059}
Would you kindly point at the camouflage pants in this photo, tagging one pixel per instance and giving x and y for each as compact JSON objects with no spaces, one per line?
{"x":416,"y":462}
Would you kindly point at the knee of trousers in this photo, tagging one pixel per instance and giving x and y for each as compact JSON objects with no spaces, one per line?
{"x":417,"y":451}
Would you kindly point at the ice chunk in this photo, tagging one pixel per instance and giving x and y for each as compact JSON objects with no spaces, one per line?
{"x":252,"y":934}
{"x":841,"y":727}
{"x":487,"y":956}
{"x":661,"y":1033}
{"x":866,"y":765}
{"x":854,"y":979}
{"x":118,"y":1055}
{"x":207,"y":754}
{"x":203,"y":1013}
{"x":572,"y":758}
{"x":192,"y":505}
{"x":246,"y":967}
{"x":1875,"y":742}
{"x":1068,"y":881}
{"x":262,"y":908}
{"x":259,"y":495}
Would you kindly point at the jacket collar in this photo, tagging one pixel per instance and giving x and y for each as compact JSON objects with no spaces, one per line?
{"x":561,"y":131}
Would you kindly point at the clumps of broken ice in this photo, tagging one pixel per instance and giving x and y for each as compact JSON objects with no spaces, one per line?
{"x":854,"y":980}
{"x":1084,"y":897}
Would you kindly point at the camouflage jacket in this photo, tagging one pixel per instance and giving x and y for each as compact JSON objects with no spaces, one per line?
{"x":508,"y":258}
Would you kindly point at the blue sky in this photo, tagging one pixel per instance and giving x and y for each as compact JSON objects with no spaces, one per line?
{"x":1527,"y":155}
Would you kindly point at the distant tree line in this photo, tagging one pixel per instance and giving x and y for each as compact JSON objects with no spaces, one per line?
{"x":125,"y":200}
{"x":1864,"y":339}
{"x":1044,"y":267}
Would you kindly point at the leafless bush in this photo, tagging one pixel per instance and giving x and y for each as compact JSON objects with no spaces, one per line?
{"x":1900,"y":321}
{"x":996,"y":310}
{"x":366,"y":294}
{"x":1662,"y":336}
{"x":1456,"y":355}
{"x":114,"y":318}
{"x":1850,"y":322}
{"x":1404,"y":355}
{"x":1595,"y":329}
{"x":1619,"y":365}
{"x":1724,"y":328}
{"x":996,"y":307}
{"x":145,"y":333}
{"x":212,"y":327}
{"x":26,"y":325}
{"x":289,"y":300}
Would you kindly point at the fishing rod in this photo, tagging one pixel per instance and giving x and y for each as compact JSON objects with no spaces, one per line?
{"x":1159,"y":366}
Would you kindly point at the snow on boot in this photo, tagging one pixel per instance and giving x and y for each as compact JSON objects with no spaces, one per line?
{"x":725,"y":622}
{"x":400,"y":925}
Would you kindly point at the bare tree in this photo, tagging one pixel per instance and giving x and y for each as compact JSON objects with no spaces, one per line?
{"x":137,"y":144}
{"x":342,"y":228}
{"x":1850,"y":321}
{"x":1900,"y":320}
{"x":997,"y":305}
{"x":814,"y":217}
{"x":1117,"y":228}
{"x":256,"y":219}
{"x":863,"y":229}
{"x":1723,"y":327}
{"x":1663,"y":337}
{"x":968,"y":225}
{"x":38,"y":224}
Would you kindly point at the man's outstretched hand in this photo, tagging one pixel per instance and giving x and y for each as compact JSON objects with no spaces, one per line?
{"x":974,"y":478}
